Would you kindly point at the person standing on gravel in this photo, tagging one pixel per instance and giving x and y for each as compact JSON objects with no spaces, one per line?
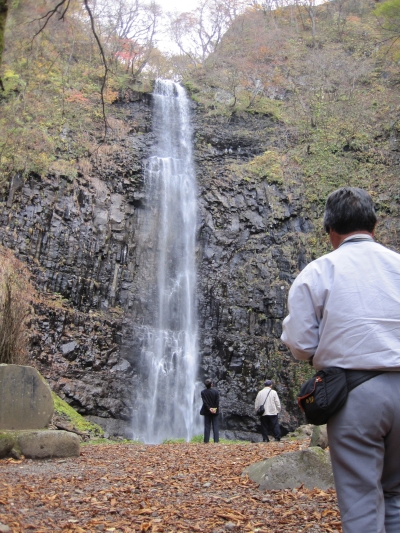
{"x":272,"y":406}
{"x":210,"y":410}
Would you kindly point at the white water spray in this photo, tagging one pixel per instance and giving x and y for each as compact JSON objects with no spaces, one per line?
{"x":166,"y":405}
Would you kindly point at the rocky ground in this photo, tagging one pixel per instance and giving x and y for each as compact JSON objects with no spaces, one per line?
{"x":166,"y":488}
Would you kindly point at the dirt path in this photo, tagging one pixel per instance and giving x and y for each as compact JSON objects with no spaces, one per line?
{"x":167,"y":488}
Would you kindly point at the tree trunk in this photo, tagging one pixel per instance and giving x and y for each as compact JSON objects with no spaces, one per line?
{"x":3,"y":18}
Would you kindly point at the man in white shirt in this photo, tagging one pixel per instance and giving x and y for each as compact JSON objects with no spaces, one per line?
{"x":272,"y":406}
{"x":344,"y":311}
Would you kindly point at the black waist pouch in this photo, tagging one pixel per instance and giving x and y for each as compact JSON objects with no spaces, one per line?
{"x":326,"y":392}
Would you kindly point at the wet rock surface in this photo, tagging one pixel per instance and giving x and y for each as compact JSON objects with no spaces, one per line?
{"x":80,"y":238}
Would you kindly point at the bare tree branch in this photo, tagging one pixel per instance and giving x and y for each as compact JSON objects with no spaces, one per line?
{"x":106,"y":69}
{"x":46,"y":18}
{"x":49,"y":15}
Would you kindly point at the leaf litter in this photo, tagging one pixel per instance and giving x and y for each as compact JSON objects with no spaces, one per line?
{"x":166,"y":488}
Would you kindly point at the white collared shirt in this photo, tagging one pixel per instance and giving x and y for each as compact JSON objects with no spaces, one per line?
{"x":344,"y":308}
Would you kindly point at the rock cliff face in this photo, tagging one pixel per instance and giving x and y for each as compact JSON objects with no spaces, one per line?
{"x":250,"y":250}
{"x":80,"y":238}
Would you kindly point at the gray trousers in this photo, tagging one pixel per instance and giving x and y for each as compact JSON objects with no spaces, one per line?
{"x":364,"y":442}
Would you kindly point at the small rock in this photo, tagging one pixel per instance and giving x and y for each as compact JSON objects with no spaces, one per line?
{"x":320,"y":437}
{"x":4,"y":528}
{"x":207,"y":484}
{"x":229,"y":526}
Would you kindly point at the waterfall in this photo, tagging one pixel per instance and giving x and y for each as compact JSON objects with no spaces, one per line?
{"x":166,"y":404}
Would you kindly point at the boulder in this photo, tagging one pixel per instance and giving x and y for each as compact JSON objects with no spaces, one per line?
{"x":25,"y":398}
{"x":39,"y":444}
{"x":48,"y":443}
{"x":302,"y":432}
{"x":310,"y":467}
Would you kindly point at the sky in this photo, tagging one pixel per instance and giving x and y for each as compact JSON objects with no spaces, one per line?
{"x":177,"y":5}
{"x":180,"y":6}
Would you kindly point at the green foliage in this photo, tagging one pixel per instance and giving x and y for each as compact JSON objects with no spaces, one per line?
{"x":108,"y":442}
{"x":390,"y":12}
{"x":198,"y":439}
{"x":267,"y":167}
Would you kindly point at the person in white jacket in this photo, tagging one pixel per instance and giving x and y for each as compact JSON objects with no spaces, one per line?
{"x":272,"y":406}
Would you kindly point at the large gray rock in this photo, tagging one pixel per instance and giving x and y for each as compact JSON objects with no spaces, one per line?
{"x":39,"y":444}
{"x":48,"y":443}
{"x":25,"y":398}
{"x":113,"y":427}
{"x":310,"y":467}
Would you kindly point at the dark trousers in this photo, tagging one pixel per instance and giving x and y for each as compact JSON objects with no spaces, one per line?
{"x":208,"y":422}
{"x":270,"y":423}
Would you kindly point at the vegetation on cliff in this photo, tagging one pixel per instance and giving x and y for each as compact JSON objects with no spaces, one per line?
{"x":328,"y":75}
{"x":331,"y":86}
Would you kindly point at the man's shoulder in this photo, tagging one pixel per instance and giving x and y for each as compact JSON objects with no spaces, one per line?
{"x":317,"y":266}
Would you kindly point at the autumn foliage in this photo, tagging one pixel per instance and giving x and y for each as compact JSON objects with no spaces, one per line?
{"x":16,"y":296}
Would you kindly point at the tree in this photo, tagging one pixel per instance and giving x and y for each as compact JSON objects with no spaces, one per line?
{"x":309,"y":6}
{"x":389,"y":14}
{"x":339,"y":10}
{"x":198,"y":33}
{"x":326,"y":89}
{"x":127,"y":30}
{"x":246,"y":63}
{"x":3,"y":18}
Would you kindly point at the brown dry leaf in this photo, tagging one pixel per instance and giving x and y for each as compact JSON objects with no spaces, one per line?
{"x":161,"y":489}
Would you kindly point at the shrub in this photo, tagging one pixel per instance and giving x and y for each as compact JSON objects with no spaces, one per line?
{"x":16,"y":296}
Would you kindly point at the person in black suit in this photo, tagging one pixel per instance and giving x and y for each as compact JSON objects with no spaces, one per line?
{"x":210,"y":410}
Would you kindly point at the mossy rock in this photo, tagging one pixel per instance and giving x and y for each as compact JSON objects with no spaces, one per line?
{"x":65,"y":417}
{"x":310,"y":467}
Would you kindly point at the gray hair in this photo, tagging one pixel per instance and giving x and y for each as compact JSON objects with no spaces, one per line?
{"x":349,"y":209}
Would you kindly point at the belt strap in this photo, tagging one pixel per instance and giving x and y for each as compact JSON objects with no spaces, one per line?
{"x":355,"y":378}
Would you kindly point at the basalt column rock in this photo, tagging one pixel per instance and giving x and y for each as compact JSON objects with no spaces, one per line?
{"x":251,"y":245}
{"x":80,"y":237}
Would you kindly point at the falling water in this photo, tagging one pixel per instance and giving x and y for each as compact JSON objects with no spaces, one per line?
{"x":165,"y":405}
